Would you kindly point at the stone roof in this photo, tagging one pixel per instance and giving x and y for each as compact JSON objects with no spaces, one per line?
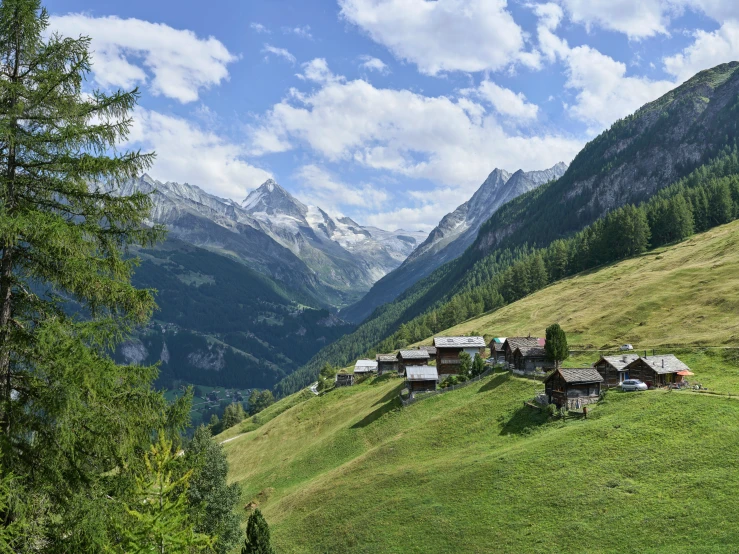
{"x":459,"y":342}
{"x":532,"y":351}
{"x":413,"y":355}
{"x":421,"y":373}
{"x":430,"y":349}
{"x":387,"y":358}
{"x":621,"y":361}
{"x":520,"y":342}
{"x":666,"y":363}
{"x":579,"y":375}
{"x":364,"y":366}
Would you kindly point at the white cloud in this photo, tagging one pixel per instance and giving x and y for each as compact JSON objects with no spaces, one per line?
{"x":605,"y":92}
{"x":374,"y":64}
{"x":444,"y":35}
{"x":128,"y":52}
{"x":258,"y":27}
{"x":451,"y":141}
{"x":321,"y":188}
{"x":279,"y":52}
{"x":506,"y":102}
{"x":303,"y":32}
{"x":187,"y":153}
{"x":640,"y":19}
{"x":708,"y":50}
{"x":317,"y":70}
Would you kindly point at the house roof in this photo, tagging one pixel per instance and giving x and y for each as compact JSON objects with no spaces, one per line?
{"x":421,"y":373}
{"x":364,"y":366}
{"x":430,"y":349}
{"x":519,"y":342}
{"x":459,"y":342}
{"x":621,"y":361}
{"x":413,"y":355}
{"x":666,"y":363}
{"x":387,"y":358}
{"x":532,"y":351}
{"x":578,"y":375}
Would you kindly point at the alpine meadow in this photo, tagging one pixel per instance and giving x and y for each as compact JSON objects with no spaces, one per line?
{"x":368,"y":276}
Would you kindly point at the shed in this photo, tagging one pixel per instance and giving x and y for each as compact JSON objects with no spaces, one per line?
{"x":573,"y":387}
{"x":421,"y":378}
{"x":449,"y":348}
{"x":363,"y":367}
{"x":511,"y":343}
{"x":613,"y":368}
{"x":408,"y":358}
{"x":531,"y":358}
{"x":344,"y":380}
{"x":497,"y":351}
{"x":657,"y":371}
{"x":387,"y":363}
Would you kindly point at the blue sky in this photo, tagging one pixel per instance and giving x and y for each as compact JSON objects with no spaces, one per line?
{"x":390,"y":111}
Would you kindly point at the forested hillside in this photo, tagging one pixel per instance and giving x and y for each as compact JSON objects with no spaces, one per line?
{"x":220,"y":323}
{"x":683,"y":145}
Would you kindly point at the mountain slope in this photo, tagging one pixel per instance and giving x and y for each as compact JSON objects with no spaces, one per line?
{"x":454,"y":234}
{"x":330,"y":261}
{"x":673,"y":135}
{"x":327,"y":464}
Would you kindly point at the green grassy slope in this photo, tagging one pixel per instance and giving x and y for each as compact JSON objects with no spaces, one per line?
{"x":475,"y":471}
{"x":685,"y":294}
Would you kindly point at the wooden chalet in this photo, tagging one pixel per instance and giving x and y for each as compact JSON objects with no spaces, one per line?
{"x":573,"y":388}
{"x":364,"y":367}
{"x":387,"y":363}
{"x":497,"y":351}
{"x":407,"y":358}
{"x":449,"y":348}
{"x":512,"y":343}
{"x":613,"y":368}
{"x":658,"y":371}
{"x":421,"y":378}
{"x":531,"y":359}
{"x":344,"y":380}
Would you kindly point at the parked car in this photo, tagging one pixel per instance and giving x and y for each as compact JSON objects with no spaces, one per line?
{"x":627,"y":347}
{"x":633,"y":384}
{"x":490,"y":361}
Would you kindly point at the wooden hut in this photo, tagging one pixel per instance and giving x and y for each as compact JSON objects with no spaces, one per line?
{"x":658,"y":371}
{"x":387,"y":363}
{"x":512,"y":343}
{"x":449,"y":348}
{"x":430,"y":349}
{"x":531,"y":359}
{"x":407,"y":358}
{"x":421,"y":378}
{"x":344,"y":380}
{"x":497,"y":351}
{"x":613,"y":368}
{"x":573,"y":388}
{"x":364,"y":367}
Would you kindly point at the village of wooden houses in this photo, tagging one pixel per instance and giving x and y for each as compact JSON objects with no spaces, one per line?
{"x":438,"y":367}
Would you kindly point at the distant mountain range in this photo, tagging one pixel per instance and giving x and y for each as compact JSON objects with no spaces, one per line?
{"x":329,"y":261}
{"x":454,"y":234}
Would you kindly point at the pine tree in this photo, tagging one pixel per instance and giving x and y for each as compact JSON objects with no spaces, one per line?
{"x":64,"y":232}
{"x":232,"y":415}
{"x":478,"y":366}
{"x":465,"y":363}
{"x":211,"y":500}
{"x":538,"y":273}
{"x":257,"y":535}
{"x":556,"y":344}
{"x":159,"y":521}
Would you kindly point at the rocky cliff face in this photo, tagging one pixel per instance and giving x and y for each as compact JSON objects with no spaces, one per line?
{"x":333,"y":260}
{"x":453,"y":235}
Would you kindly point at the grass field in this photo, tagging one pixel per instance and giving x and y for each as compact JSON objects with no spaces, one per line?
{"x":474,"y":470}
{"x":686,"y":294}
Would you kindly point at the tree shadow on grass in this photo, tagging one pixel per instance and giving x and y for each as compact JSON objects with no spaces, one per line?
{"x":524,"y":420}
{"x":392,"y":393}
{"x":495,"y":382}
{"x":373,"y":416}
